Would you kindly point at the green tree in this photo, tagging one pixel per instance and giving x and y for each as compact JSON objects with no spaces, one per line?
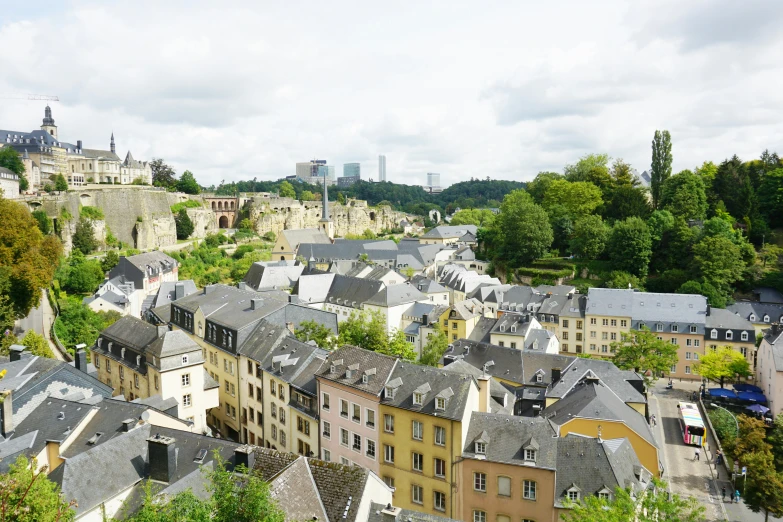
{"x":480,"y":217}
{"x":538,"y":187}
{"x":27,"y":258}
{"x":775,"y":440}
{"x":660,"y":222}
{"x":37,"y":345}
{"x":661,"y":164}
{"x":751,"y":439}
{"x":630,"y":246}
{"x":84,"y":237}
{"x":110,"y":260}
{"x":620,"y":279}
{"x":60,"y":184}
{"x":44,"y":221}
{"x":589,"y":238}
{"x":593,"y":168}
{"x":187,"y":183}
{"x":579,"y":198}
{"x":80,"y":275}
{"x":308,"y":196}
{"x":78,"y":324}
{"x":642,"y":352}
{"x":718,"y":260}
{"x":764,"y":485}
{"x":771,"y":197}
{"x":436,"y":346}
{"x":286,"y":190}
{"x":397,"y":346}
{"x":313,"y":331}
{"x":183,"y":223}
{"x":626,"y":201}
{"x":162,"y":174}
{"x":270,"y":236}
{"x":27,"y":495}
{"x":684,"y":195}
{"x":721,"y":364}
{"x":524,"y":229}
{"x":7,"y":315}
{"x":655,"y":505}
{"x":10,"y":160}
{"x":714,"y":296}
{"x":364,"y":329}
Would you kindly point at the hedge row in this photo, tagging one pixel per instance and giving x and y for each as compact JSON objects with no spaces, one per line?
{"x":545,"y":272}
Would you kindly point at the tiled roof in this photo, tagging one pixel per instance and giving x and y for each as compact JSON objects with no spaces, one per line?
{"x":508,"y":435}
{"x":396,"y":295}
{"x":507,"y":361}
{"x":759,"y":310}
{"x":619,"y":381}
{"x":131,"y":332}
{"x":408,"y":378}
{"x":722,"y":318}
{"x":446,"y":231}
{"x":376,"y":366}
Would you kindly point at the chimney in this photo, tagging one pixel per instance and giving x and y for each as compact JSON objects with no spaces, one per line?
{"x":484,"y":396}
{"x":775,"y":330}
{"x":79,"y":145}
{"x":245,"y":455}
{"x":162,"y":329}
{"x":709,"y":309}
{"x":179,"y":291}
{"x":555,"y":375}
{"x":16,"y":351}
{"x":425,"y":319}
{"x":390,"y":513}
{"x":128,"y":424}
{"x":255,"y":304}
{"x":6,"y":413}
{"x":80,"y":361}
{"x":290,"y":327}
{"x":570,"y":296}
{"x":209,"y":289}
{"x":242,"y":285}
{"x":162,"y":458}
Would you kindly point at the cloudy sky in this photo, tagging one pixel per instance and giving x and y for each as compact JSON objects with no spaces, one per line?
{"x":236,"y":90}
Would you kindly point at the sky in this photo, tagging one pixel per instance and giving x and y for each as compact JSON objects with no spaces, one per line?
{"x":241,"y":90}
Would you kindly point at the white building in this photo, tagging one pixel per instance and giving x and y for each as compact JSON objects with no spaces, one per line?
{"x":9,"y":183}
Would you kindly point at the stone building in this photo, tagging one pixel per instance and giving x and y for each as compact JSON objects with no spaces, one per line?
{"x":9,"y":183}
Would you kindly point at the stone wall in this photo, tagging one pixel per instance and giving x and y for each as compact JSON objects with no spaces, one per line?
{"x":204,"y":222}
{"x":278,"y":214}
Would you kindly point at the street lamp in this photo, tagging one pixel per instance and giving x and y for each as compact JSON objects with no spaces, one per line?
{"x":732,"y":415}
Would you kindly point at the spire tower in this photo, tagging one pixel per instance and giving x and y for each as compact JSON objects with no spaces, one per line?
{"x":112,"y":143}
{"x":325,"y":223}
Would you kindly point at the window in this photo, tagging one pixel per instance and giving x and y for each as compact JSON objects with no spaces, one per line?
{"x":439,"y":500}
{"x":696,"y":342}
{"x":186,"y":380}
{"x":388,"y":453}
{"x":259,"y":397}
{"x":343,"y":408}
{"x":327,"y":431}
{"x":623,"y":323}
{"x":369,"y":418}
{"x":274,"y":432}
{"x":479,"y":516}
{"x":501,"y":344}
{"x":713,"y":334}
{"x":530,"y":454}
{"x":440,"y":403}
{"x":418,"y":430}
{"x":675,"y":328}
{"x":604,"y":322}
{"x":604,"y":495}
{"x":480,"y":481}
{"x":356,"y":413}
{"x":614,"y":322}
{"x":302,"y":425}
{"x":729,"y":335}
{"x":688,"y":356}
{"x":388,"y":423}
{"x":565,"y":323}
{"x":687,"y":370}
{"x":744,"y":336}
{"x":122,"y":372}
{"x":440,"y":435}
{"x":282,"y":438}
{"x":592,"y":334}
{"x":573,"y":495}
{"x":357,"y":442}
{"x":604,"y":348}
{"x":592,"y":320}
{"x":418,"y":461}
{"x":673,"y":340}
{"x":604,"y":335}
{"x":250,"y":390}
{"x":504,"y":486}
{"x":481,"y":448}
{"x":343,"y":436}
{"x":344,"y":461}
{"x":417,"y":494}
{"x":281,"y":392}
{"x":453,"y":326}
{"x":440,"y":467}
{"x":327,"y":455}
{"x":579,"y":325}
{"x":184,"y":359}
{"x":454,"y":337}
{"x":186,"y":400}
{"x":673,"y":369}
{"x":513,"y":345}
{"x":282,"y":415}
{"x":272,"y":387}
{"x":157,"y":384}
{"x":325,"y":401}
{"x":565,"y":336}
{"x":688,"y":342}
{"x":136,"y":380}
{"x":371,"y":449}
{"x":592,"y":347}
{"x":529,"y":490}
{"x":613,"y":336}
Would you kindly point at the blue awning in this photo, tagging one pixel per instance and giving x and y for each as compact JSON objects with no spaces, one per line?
{"x":747,"y":388}
{"x":722,"y":392}
{"x":751,"y":397}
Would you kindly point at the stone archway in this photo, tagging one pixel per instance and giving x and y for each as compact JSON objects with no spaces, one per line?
{"x":223,"y":222}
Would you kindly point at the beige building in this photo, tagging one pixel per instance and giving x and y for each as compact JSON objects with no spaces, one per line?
{"x":139,"y":360}
{"x":769,"y":368}
{"x":287,"y":244}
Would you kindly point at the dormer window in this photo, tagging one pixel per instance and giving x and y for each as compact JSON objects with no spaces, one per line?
{"x":744,"y":336}
{"x":481,"y":448}
{"x":440,"y":403}
{"x":693,"y":329}
{"x":418,"y":398}
{"x":659,"y":327}
{"x":184,"y":359}
{"x":675,"y":328}
{"x":389,"y":392}
{"x":530,"y":455}
{"x":365,"y":379}
{"x":605,"y":494}
{"x":574,"y":493}
{"x":539,"y":377}
{"x":752,"y":317}
{"x":713,"y":334}
{"x":766,"y":318}
{"x":729,"y":335}
{"x":502,"y":328}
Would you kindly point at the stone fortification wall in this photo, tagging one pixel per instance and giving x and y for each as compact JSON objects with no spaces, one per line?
{"x":278,"y":214}
{"x":204,"y":222}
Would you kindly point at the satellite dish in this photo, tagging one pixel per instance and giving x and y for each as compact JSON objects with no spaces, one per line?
{"x":145,"y":415}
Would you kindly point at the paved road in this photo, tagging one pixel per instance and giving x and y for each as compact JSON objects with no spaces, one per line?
{"x":40,"y":320}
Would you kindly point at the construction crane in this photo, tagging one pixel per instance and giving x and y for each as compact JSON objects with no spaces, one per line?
{"x":35,"y":97}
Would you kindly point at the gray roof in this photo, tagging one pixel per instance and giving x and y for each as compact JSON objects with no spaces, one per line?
{"x":447,"y":231}
{"x":517,"y":324}
{"x":305,"y":235}
{"x":379,"y":366}
{"x":537,"y":339}
{"x":592,"y":465}
{"x":262,"y":277}
{"x":313,"y":287}
{"x":502,"y":397}
{"x":771,"y":336}
{"x":173,"y":342}
{"x":506,"y":436}
{"x":167,"y":291}
{"x":427,"y":285}
{"x":376,"y":515}
{"x":296,"y":493}
{"x":131,"y":332}
{"x":346,"y":291}
{"x":155,"y":258}
{"x":396,"y":295}
{"x":407,"y":378}
{"x":619,"y":381}
{"x":482,"y":329}
{"x":594,"y":400}
{"x":745,"y":308}
{"x":722,"y":318}
{"x":682,"y":310}
{"x":608,"y":301}
{"x":768,"y":295}
{"x":507,"y":361}
{"x":98,"y":153}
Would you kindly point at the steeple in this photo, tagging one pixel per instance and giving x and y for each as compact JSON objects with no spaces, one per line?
{"x":325,"y":223}
{"x":326,"y":200}
{"x":48,"y":123}
{"x":112,"y":143}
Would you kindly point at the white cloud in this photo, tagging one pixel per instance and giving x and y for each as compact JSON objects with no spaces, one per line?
{"x":240,"y":90}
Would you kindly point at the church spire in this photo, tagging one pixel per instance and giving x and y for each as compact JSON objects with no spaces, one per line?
{"x":326,"y":200}
{"x":112,"y":143}
{"x":325,"y":223}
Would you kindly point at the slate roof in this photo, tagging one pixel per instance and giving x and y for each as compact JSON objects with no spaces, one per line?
{"x":396,"y":295}
{"x":722,"y":318}
{"x":296,"y":493}
{"x":745,"y":308}
{"x":682,"y":310}
{"x":467,"y":309}
{"x":772,"y":336}
{"x":592,"y":465}
{"x":508,"y":361}
{"x":514,"y":324}
{"x":481,"y":330}
{"x":167,"y":291}
{"x":155,"y":259}
{"x":446,"y":231}
{"x":261,"y":277}
{"x":346,"y":290}
{"x":608,"y":301}
{"x":768,"y":295}
{"x":174,"y":342}
{"x":131,"y":332}
{"x":383,"y":365}
{"x":594,"y":400}
{"x":98,"y":153}
{"x":427,"y":285}
{"x":535,"y":362}
{"x":305,"y":235}
{"x":502,"y":397}
{"x":407,"y":378}
{"x":619,"y":381}
{"x":508,"y":435}
{"x":538,"y":339}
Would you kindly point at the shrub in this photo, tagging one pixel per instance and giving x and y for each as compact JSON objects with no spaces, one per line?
{"x":90,"y":212}
{"x":84,"y":237}
{"x":240,"y":252}
{"x":270,"y":236}
{"x":184,"y":224}
{"x":44,"y":222}
{"x":545,"y":273}
{"x":190,"y":203}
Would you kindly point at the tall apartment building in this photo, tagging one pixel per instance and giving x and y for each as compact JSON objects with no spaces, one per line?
{"x":351,"y":174}
{"x":382,"y":167}
{"x":433,"y":180}
{"x":314,"y":171}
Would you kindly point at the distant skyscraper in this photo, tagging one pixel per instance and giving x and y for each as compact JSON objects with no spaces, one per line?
{"x":382,"y":167}
{"x":433,"y":179}
{"x":352,"y":170}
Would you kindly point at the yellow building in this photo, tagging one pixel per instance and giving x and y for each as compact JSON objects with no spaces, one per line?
{"x":462,"y":318}
{"x":607,"y":313}
{"x":288,"y":241}
{"x":139,"y":361}
{"x":425,"y":414}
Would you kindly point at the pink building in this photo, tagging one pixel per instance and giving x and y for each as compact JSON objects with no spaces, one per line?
{"x":349,"y":391}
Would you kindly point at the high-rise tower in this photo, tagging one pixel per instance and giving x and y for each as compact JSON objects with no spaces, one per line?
{"x":382,"y":167}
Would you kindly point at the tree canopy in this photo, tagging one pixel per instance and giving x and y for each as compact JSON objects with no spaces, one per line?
{"x":313,"y":331}
{"x":523,"y":228}
{"x":642,"y":352}
{"x":722,"y":364}
{"x":187,"y":183}
{"x":28,"y":495}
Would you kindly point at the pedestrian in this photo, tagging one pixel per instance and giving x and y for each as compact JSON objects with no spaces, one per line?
{"x":697,"y":454}
{"x":723,"y":492}
{"x":653,"y":419}
{"x":719,"y":458}
{"x":736,"y":496}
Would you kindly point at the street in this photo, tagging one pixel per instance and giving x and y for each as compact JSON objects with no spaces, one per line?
{"x":39,"y":320}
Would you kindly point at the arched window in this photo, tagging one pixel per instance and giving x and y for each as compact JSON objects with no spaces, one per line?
{"x":213,"y":205}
